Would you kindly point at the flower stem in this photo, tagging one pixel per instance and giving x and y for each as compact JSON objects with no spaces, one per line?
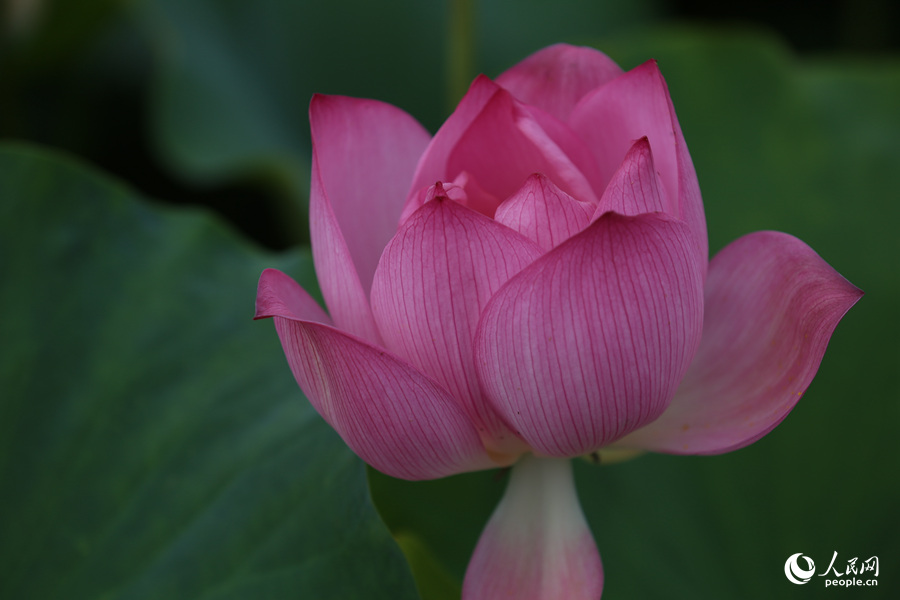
{"x":537,"y":544}
{"x":461,"y":49}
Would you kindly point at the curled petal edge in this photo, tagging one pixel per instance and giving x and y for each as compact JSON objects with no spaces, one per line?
{"x":772,"y":305}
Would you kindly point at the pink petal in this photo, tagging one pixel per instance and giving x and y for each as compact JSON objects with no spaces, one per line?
{"x":477,"y":198}
{"x":771,"y":306}
{"x":434,"y":278}
{"x":278,"y":294}
{"x":574,"y":148}
{"x":556,"y":78}
{"x":590,"y":341}
{"x":505,"y":144}
{"x":394,"y":417}
{"x":544,"y":213}
{"x":537,"y":544}
{"x":364,"y":155}
{"x":463,"y":190}
{"x":689,"y":198}
{"x":338,"y":278}
{"x":433,"y":165}
{"x":635,"y":188}
{"x":636,"y":105}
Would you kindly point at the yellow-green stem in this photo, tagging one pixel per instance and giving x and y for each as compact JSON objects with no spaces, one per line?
{"x":460,"y":49}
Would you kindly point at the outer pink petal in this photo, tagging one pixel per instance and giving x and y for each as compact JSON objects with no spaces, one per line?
{"x":364,"y":155}
{"x":394,"y":417}
{"x":771,"y":306}
{"x":279,"y":294}
{"x":556,"y":78}
{"x":544,"y":213}
{"x":635,"y":188}
{"x":537,"y":545}
{"x":433,"y":165}
{"x":505,"y":144}
{"x":632,"y":106}
{"x":590,"y":341}
{"x":338,"y":278}
{"x":434,"y":278}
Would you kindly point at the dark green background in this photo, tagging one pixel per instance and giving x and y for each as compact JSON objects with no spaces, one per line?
{"x":152,"y":441}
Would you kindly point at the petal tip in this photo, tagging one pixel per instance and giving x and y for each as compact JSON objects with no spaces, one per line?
{"x":266,"y":298}
{"x":278,"y":295}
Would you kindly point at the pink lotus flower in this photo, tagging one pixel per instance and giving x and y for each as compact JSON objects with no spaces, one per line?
{"x":531,"y":284}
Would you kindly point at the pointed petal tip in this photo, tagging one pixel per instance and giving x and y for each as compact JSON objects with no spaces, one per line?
{"x":320,"y":102}
{"x":634,"y":104}
{"x":543,"y":213}
{"x":482,"y":79}
{"x":262,"y":309}
{"x":636,"y":187}
{"x":353,"y":218}
{"x":278,"y":295}
{"x":268,"y":302}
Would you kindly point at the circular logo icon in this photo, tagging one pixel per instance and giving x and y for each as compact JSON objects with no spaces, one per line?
{"x":797,"y":574}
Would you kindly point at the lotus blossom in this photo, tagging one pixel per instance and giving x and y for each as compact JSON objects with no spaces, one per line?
{"x":532,"y":284}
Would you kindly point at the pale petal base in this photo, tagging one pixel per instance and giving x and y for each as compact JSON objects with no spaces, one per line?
{"x":537,"y":544}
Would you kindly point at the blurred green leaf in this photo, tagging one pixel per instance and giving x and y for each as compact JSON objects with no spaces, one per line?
{"x":509,"y":30}
{"x":235,"y":78}
{"x":41,"y":33}
{"x":808,"y":148}
{"x":153,"y":443}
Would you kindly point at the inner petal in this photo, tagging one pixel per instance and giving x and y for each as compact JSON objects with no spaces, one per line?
{"x":504,"y":145}
{"x":544,"y":213}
